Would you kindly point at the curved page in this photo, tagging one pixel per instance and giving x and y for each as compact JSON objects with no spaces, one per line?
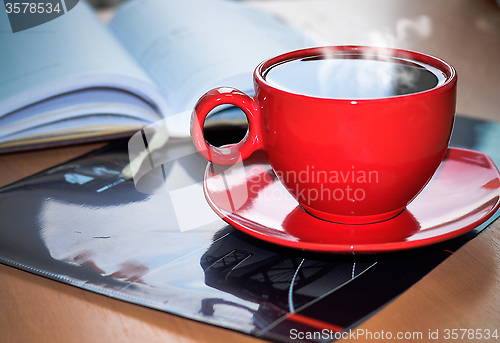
{"x":73,"y":52}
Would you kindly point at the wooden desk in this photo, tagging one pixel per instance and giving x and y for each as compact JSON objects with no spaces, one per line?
{"x":462,"y":293}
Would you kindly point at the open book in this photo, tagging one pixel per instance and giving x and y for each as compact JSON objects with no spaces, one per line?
{"x":74,"y":79}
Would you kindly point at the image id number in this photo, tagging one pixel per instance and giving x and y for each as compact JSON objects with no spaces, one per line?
{"x":462,"y":334}
{"x":27,"y":7}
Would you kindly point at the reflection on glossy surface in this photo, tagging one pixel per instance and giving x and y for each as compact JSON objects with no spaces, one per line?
{"x":277,"y":282}
{"x":463,"y":194}
{"x":354,"y":76}
{"x":82,"y":224}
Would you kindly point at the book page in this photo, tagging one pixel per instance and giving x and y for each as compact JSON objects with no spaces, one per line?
{"x":188,"y":47}
{"x":92,"y":103}
{"x":72,"y":52}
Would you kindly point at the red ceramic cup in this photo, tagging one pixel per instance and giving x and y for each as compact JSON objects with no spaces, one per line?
{"x":350,"y":161}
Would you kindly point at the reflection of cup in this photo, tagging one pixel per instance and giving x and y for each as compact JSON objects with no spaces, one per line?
{"x":354,"y":153}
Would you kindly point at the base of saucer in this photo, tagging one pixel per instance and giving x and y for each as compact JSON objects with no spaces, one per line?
{"x":356,"y":220}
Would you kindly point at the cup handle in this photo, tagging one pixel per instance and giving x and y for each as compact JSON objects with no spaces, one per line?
{"x":227,"y":154}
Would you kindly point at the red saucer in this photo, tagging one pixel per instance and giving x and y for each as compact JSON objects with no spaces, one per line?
{"x":463,"y":194}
